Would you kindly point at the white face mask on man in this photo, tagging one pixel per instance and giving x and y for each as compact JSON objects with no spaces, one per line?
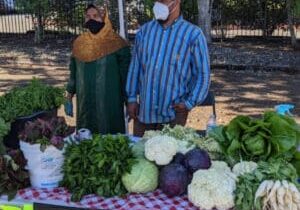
{"x":161,"y":11}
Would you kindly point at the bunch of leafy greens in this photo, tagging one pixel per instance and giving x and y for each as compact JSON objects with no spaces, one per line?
{"x":24,"y":101}
{"x":211,"y":146}
{"x":247,"y":185}
{"x":13,"y":176}
{"x":46,"y":132}
{"x":4,"y":129}
{"x":96,"y":166}
{"x":178,"y":132}
{"x":272,"y":136}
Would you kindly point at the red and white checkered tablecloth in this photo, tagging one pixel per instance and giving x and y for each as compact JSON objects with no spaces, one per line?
{"x":155,"y":200}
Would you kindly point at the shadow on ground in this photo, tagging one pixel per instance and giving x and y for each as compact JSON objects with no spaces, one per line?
{"x":248,"y":93}
{"x":237,"y":92}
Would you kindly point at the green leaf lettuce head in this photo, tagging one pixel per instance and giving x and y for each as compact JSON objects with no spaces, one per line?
{"x":270,"y":136}
{"x":284,"y":133}
{"x":143,"y":177}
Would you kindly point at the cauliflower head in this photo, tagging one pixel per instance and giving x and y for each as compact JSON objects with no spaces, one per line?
{"x":244,"y":167}
{"x":184,"y":136}
{"x":161,"y":149}
{"x":220,"y":165}
{"x":212,"y":189}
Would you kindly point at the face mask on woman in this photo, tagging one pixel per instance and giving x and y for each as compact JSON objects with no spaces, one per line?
{"x":94,"y":26}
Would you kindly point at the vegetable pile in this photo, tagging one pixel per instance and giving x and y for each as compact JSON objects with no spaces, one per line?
{"x":97,"y":166}
{"x":254,"y":184}
{"x":178,"y":161}
{"x":270,"y":144}
{"x":248,"y":164}
{"x":258,"y":150}
{"x":24,"y":101}
{"x":187,"y":139}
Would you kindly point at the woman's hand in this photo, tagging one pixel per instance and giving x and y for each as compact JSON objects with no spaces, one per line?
{"x":69,"y":105}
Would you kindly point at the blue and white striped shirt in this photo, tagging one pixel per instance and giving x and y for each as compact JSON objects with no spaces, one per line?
{"x":169,"y":66}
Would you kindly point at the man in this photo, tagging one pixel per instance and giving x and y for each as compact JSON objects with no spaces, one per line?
{"x":169,"y":72}
{"x":99,"y":64}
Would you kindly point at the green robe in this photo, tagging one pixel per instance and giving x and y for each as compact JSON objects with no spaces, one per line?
{"x":100,"y":89}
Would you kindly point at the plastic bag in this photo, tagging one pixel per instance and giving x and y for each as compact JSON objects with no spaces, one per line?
{"x":45,"y":168}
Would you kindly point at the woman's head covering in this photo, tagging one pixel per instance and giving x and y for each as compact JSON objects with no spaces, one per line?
{"x":90,"y":47}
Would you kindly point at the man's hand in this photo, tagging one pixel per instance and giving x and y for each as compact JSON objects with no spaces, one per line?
{"x":180,"y":107}
{"x":133,"y":110}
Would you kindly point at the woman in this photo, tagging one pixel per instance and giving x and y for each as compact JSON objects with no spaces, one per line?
{"x":99,"y":65}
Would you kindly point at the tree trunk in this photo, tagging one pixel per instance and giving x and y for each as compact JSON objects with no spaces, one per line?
{"x":204,"y":20}
{"x":265,"y":16}
{"x":39,"y":30}
{"x":294,"y":42}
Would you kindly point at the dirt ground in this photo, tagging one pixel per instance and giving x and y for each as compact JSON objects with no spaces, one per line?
{"x":237,"y":92}
{"x":248,"y":92}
